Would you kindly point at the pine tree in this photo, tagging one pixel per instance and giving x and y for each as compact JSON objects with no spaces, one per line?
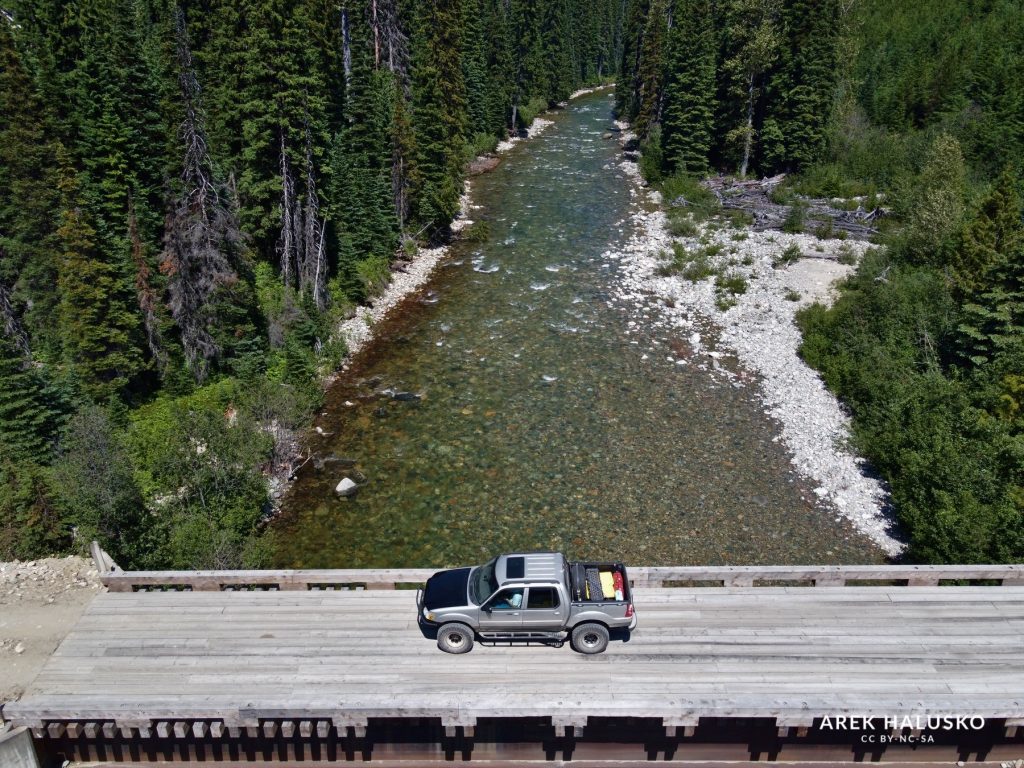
{"x":803,"y":88}
{"x":690,"y":89}
{"x":439,"y":116}
{"x":29,"y":415}
{"x":501,"y":70}
{"x":627,"y":87}
{"x":474,"y":66}
{"x":990,"y":268}
{"x":97,"y":324}
{"x":995,"y":229}
{"x":28,"y":199}
{"x":650,"y":75}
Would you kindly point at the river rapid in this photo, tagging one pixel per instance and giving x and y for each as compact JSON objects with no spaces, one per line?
{"x":511,"y":404}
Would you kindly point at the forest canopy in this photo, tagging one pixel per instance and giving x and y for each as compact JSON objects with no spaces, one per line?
{"x":192,"y":195}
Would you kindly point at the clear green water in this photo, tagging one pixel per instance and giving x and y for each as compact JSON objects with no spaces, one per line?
{"x":540,"y":426}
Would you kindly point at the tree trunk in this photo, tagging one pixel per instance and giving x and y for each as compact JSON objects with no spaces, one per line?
{"x":346,"y":45}
{"x":12,"y":328}
{"x":748,"y":139}
{"x":376,"y":34}
{"x":287,"y":203}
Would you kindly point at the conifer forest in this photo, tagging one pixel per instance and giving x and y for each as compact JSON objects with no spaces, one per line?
{"x":194,"y":194}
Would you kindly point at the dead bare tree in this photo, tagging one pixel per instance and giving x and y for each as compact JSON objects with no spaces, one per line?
{"x":287,"y":243}
{"x":301,"y":244}
{"x":201,"y":233}
{"x":12,"y":326}
{"x":314,"y":262}
{"x":144,"y":292}
{"x":346,"y":47}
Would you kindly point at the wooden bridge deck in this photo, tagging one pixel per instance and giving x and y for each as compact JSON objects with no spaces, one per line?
{"x":792,"y":653}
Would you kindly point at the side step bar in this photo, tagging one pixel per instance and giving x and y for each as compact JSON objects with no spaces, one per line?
{"x":521,"y":635}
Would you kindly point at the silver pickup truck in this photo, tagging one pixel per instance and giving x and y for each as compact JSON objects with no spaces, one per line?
{"x":531,"y":596}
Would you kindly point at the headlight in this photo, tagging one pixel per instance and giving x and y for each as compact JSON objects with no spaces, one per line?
{"x":428,"y":615}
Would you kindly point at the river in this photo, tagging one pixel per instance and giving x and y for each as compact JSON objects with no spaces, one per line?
{"x":546,"y":421}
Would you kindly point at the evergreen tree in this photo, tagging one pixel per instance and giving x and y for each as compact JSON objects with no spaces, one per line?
{"x":650,"y":74}
{"x":690,"y":89}
{"x":474,"y":66}
{"x":804,"y":85}
{"x":991,"y":267}
{"x":28,"y":199}
{"x":439,"y":112}
{"x":97,"y":324}
{"x":29,"y":415}
{"x":627,"y":88}
{"x":995,"y":230}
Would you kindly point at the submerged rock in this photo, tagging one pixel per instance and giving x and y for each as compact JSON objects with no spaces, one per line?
{"x":334,"y":461}
{"x":347,"y":487}
{"x":406,"y":397}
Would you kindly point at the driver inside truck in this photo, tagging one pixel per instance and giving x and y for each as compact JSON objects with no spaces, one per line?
{"x":509,"y":600}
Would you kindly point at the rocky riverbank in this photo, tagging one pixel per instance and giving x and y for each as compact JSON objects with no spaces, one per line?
{"x":734,"y":293}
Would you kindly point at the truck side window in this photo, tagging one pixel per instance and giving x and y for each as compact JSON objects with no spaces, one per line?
{"x":542,"y":597}
{"x":507,"y":600}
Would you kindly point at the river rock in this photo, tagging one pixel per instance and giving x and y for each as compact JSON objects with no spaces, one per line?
{"x":483,"y":164}
{"x":347,"y":487}
{"x":334,"y":461}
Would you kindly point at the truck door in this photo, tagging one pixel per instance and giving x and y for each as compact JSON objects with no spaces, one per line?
{"x":503,"y":611}
{"x":544,"y":610}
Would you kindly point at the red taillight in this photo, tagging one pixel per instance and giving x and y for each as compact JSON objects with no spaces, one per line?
{"x":629,"y":611}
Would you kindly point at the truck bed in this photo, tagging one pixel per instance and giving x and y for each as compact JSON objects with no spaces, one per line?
{"x":584,"y":590}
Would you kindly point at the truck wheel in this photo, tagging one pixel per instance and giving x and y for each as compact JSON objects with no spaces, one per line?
{"x":455,"y":638}
{"x":590,"y":638}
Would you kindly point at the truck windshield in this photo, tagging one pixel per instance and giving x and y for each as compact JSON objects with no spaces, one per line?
{"x":483,"y":584}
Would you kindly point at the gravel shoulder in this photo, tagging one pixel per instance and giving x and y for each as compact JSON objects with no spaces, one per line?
{"x":40,"y":601}
{"x":757,"y":328}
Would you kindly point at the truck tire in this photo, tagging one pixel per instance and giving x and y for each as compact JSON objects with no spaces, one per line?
{"x":590,"y":638}
{"x":455,"y":638}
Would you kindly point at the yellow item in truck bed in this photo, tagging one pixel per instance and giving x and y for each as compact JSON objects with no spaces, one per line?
{"x":607,"y":585}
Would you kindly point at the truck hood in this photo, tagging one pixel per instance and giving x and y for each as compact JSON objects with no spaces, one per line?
{"x":446,"y":589}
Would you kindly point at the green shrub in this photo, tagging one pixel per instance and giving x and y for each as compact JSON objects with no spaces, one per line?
{"x":700,"y":201}
{"x":691,"y":265}
{"x":733,"y":284}
{"x":795,"y":218}
{"x":375,"y":273}
{"x":737,"y":218}
{"x":480,"y":144}
{"x":529,"y":111}
{"x":681,"y":224}
{"x":846,"y":255}
{"x":477,"y":232}
{"x":824,"y":230}
{"x":788,"y":256}
{"x":651,"y":157}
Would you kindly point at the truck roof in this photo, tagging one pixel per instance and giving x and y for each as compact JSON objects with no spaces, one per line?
{"x":530,"y":566}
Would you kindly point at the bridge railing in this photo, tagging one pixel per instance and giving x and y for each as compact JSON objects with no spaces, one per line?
{"x":117,"y":580}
